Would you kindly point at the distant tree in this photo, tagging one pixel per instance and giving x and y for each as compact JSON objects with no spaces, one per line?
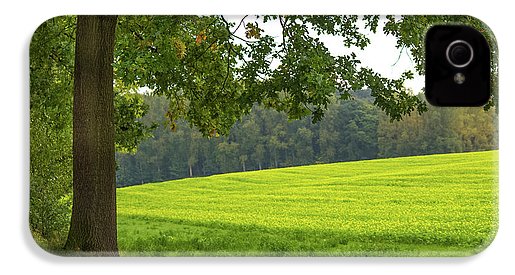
{"x":476,"y":130}
{"x":278,"y":144}
{"x":227,"y":156}
{"x":329,"y":134}
{"x":357,"y":121}
{"x":303,"y":146}
{"x":439,"y":130}
{"x":243,"y":160}
{"x":193,"y":151}
{"x":259,"y":154}
{"x":247,"y":134}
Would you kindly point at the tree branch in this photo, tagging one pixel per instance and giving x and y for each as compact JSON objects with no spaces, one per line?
{"x":228,"y":67}
{"x":239,"y":25}
{"x":282,"y":21}
{"x":231,"y":34}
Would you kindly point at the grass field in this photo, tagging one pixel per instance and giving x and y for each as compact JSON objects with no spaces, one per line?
{"x":436,"y":205}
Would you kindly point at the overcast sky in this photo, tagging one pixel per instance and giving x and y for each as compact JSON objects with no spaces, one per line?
{"x":381,"y":54}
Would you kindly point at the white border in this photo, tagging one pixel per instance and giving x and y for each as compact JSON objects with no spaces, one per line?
{"x":18,"y":254}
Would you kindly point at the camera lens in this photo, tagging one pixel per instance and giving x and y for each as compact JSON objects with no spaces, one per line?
{"x":459,"y":53}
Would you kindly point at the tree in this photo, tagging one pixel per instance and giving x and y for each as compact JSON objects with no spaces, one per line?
{"x":243,"y":159}
{"x":247,"y":134}
{"x":439,"y":130}
{"x":329,"y":134}
{"x":278,"y":143}
{"x":51,"y":98}
{"x":211,"y":76}
{"x":93,"y":222}
{"x":259,"y":155}
{"x":227,"y":156}
{"x":303,"y":146}
{"x":193,"y":151}
{"x":357,"y":121}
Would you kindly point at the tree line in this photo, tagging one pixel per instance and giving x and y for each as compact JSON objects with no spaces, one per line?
{"x":265,"y":138}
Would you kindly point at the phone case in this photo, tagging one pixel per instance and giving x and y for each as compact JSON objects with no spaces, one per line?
{"x":254,"y":136}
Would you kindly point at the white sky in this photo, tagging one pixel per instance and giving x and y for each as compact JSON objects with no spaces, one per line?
{"x":381,"y":54}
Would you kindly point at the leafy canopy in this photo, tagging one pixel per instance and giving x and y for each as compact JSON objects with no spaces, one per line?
{"x":212,"y":74}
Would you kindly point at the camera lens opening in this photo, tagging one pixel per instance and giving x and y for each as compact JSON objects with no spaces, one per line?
{"x":459,"y":53}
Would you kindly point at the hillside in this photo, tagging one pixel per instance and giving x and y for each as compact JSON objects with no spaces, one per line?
{"x":424,"y":205}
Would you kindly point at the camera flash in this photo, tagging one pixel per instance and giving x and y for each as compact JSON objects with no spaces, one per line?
{"x":459,"y":78}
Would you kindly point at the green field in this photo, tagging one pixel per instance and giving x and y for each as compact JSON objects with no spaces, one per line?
{"x":421,"y":206}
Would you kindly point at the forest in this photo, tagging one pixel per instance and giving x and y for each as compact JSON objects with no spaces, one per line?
{"x":263,"y":139}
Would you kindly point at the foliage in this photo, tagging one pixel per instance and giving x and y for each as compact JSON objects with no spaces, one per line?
{"x":51,"y":81}
{"x":439,"y":130}
{"x":351,"y":130}
{"x":427,"y":205}
{"x":129,"y":130}
{"x":212,"y":76}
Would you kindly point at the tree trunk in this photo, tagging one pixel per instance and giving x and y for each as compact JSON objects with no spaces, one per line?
{"x":93,"y":221}
{"x":191,"y":171}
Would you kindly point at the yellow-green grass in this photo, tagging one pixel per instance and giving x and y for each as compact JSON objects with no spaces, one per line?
{"x":436,"y":205}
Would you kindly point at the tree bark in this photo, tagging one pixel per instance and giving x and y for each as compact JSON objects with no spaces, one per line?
{"x":93,"y":221}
